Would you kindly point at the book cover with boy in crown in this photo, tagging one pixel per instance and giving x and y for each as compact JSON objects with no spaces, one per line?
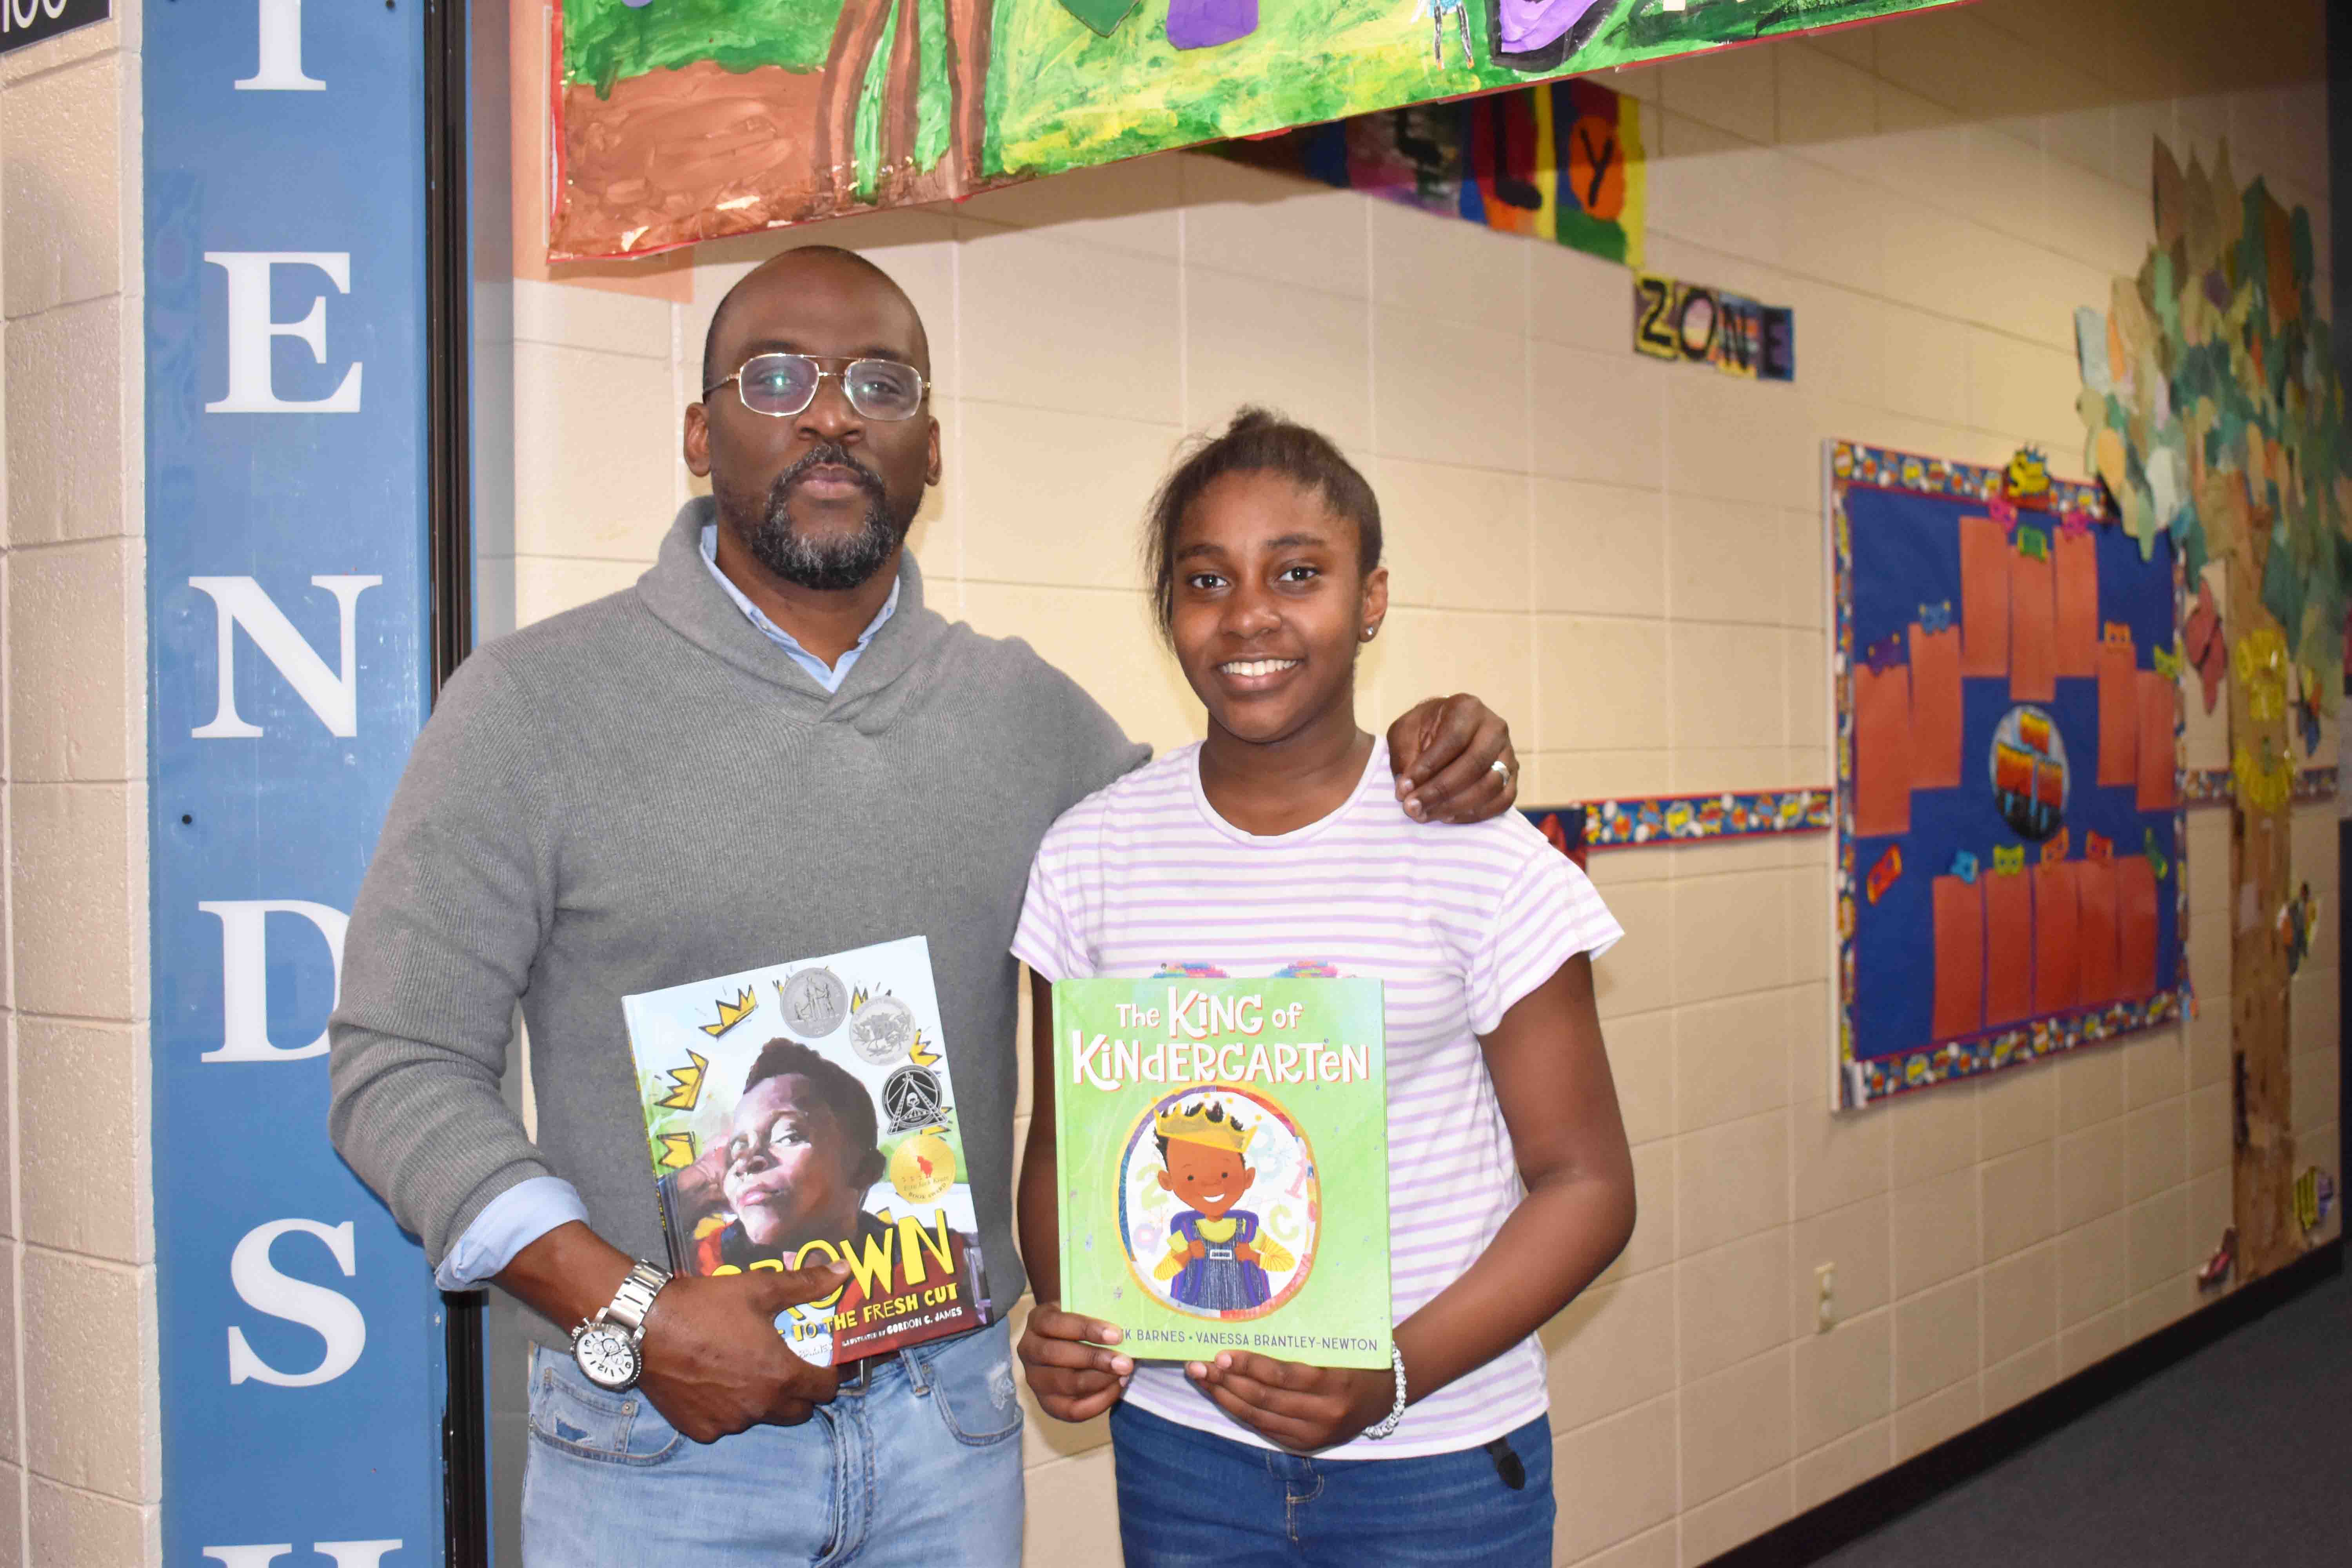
{"x":1223,"y":1149}
{"x":803,"y":1114}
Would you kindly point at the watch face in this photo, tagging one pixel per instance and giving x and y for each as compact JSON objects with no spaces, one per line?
{"x":608,"y":1356}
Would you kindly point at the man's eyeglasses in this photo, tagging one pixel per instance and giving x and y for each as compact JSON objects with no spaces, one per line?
{"x":780,"y":385}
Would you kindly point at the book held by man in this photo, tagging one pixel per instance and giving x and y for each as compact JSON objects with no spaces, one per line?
{"x":1222,"y":1152}
{"x":803,"y":1114}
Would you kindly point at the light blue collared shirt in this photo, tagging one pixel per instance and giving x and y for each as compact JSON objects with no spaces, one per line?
{"x":530,"y":1209}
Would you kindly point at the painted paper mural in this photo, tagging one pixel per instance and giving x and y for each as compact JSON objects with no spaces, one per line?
{"x":2215,"y":415}
{"x":1559,"y":161}
{"x":678,"y":120}
{"x":2009,"y":875}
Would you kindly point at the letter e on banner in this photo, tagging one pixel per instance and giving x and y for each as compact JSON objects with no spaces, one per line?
{"x":250,"y":389}
{"x":330,"y":1314}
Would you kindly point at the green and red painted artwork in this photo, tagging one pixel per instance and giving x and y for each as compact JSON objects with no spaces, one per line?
{"x":678,"y":120}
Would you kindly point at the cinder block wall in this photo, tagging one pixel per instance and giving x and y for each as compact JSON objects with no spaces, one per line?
{"x":1624,"y":558}
{"x":80,"y":1458}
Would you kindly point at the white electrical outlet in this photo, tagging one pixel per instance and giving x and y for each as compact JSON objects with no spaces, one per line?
{"x":1825,"y":1315}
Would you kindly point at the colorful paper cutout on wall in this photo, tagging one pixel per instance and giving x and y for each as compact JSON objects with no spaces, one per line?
{"x":2056,"y":942}
{"x":2009,"y":948}
{"x":1694,"y":324}
{"x":1559,"y":161}
{"x":679,"y":121}
{"x":2211,"y":405}
{"x":2057,"y":914}
{"x":2032,"y":625}
{"x":1959,"y":956}
{"x":2077,"y":628}
{"x":1936,"y":722}
{"x":2118,"y":677}
{"x":1882,"y":750}
{"x":1984,"y":597}
{"x":2095,"y":930}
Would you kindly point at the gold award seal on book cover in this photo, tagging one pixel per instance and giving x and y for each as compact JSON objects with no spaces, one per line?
{"x":923,"y":1168}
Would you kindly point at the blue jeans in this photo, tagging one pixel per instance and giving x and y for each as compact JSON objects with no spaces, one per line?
{"x":919,"y":1468}
{"x":1192,"y":1500}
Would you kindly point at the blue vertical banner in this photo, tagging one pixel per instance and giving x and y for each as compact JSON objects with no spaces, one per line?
{"x":287,"y":601}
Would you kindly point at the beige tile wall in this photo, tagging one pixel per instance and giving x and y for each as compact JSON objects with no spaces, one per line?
{"x":1624,"y":559}
{"x":80,"y":1458}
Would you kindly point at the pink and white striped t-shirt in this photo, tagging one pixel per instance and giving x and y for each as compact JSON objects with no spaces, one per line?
{"x":1458,"y":922}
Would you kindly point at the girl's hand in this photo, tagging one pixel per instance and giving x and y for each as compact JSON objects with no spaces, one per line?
{"x":1074,"y":1378}
{"x":1298,"y":1407}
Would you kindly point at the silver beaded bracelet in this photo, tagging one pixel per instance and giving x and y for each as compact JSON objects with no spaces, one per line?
{"x":1396,"y":1411}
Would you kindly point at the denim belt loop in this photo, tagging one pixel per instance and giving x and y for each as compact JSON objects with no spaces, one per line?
{"x":919,"y":1369}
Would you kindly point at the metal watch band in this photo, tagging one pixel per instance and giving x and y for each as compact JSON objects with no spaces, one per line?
{"x":635,"y":1296}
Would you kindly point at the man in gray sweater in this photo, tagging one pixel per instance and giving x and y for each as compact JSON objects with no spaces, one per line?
{"x":768,"y":748}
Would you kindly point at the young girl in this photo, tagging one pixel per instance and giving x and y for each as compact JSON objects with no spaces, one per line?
{"x":1276,"y":844}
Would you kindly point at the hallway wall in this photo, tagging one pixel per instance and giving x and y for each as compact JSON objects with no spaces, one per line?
{"x":1623,"y":558}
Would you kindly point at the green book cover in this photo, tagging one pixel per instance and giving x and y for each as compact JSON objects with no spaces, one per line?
{"x":1223,"y":1150}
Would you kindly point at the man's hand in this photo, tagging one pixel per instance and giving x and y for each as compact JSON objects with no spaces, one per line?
{"x":1298,"y":1407}
{"x":1074,"y":1378}
{"x":715,"y":1363}
{"x":1445,"y":752}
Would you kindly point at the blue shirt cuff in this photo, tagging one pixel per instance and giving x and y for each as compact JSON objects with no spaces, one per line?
{"x":512,"y":1221}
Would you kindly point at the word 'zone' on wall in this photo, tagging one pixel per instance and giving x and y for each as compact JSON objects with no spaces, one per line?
{"x":2009,"y":812}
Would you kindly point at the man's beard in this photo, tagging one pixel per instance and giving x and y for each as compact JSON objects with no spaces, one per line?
{"x":828,"y":566}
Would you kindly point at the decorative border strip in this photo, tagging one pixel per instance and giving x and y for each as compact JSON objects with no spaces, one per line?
{"x":1650,"y":822}
{"x":1880,"y":1076}
{"x":1860,"y":1082}
{"x":2215,"y":786}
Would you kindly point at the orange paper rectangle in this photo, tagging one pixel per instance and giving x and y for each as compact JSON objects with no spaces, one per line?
{"x":2159,"y":701}
{"x":1934,"y":708}
{"x":2009,"y":948}
{"x":2032,"y":630}
{"x":2095,"y":937}
{"x":1881,"y":751}
{"x":1984,"y":597}
{"x":1960,"y":957}
{"x":2078,"y":604}
{"x":2057,"y":986}
{"x":2134,"y":928}
{"x":2118,"y":713}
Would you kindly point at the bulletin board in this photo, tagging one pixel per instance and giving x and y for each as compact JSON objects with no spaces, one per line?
{"x":2008,"y":876}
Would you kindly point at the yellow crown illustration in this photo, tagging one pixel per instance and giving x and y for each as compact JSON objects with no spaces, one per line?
{"x":1204,"y":1125}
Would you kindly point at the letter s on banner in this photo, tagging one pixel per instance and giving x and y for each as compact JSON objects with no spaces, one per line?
{"x":245,"y":975}
{"x":332,"y":1315}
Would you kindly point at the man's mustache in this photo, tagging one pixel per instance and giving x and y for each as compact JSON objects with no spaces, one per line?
{"x":825,"y":454}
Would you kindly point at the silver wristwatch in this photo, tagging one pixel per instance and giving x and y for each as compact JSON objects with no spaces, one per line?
{"x":606,"y":1346}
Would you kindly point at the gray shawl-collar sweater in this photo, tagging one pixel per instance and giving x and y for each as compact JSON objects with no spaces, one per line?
{"x":646,"y":791}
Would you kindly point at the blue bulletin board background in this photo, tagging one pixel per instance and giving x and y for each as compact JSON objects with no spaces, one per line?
{"x":1895,"y":521}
